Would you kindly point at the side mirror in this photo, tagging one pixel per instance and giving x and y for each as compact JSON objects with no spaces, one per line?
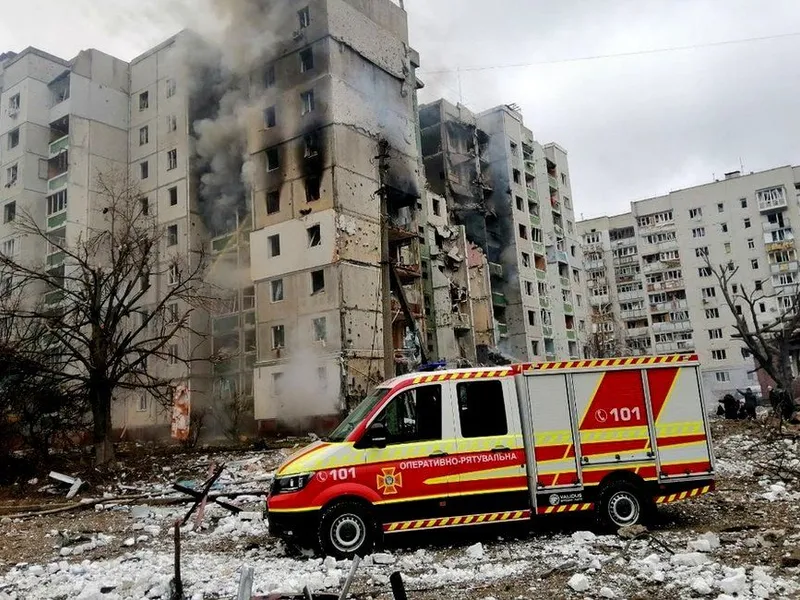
{"x":376,"y":436}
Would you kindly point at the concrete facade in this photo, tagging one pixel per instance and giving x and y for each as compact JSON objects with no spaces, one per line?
{"x":647,"y":268}
{"x":512,"y":196}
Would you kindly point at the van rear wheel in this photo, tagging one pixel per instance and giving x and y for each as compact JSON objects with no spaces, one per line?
{"x":621,"y":504}
{"x":346,"y":529}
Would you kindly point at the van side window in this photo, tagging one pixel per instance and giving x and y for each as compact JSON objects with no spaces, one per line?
{"x":481,"y":409}
{"x":414,"y":416}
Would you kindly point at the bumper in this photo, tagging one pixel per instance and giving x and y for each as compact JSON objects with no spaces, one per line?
{"x":293,"y":525}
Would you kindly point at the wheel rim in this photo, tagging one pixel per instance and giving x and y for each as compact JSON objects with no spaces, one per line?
{"x":348,"y":533}
{"x":623,"y":508}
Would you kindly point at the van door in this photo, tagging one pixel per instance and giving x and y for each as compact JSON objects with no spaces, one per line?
{"x":412,"y":473}
{"x":491,"y":459}
{"x":554,"y":443}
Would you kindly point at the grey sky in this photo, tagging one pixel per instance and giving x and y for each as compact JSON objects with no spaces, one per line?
{"x":634,"y":126}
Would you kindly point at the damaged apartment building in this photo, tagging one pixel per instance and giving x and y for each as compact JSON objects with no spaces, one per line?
{"x":506,"y":273}
{"x":336,"y":250}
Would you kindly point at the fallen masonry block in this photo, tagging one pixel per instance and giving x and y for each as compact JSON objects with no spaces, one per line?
{"x":74,"y":483}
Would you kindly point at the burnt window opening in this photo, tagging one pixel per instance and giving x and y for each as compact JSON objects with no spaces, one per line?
{"x":173,"y":196}
{"x":274,"y":242}
{"x":313,"y":185}
{"x":273,"y":159}
{"x":317,"y":282}
{"x":314,"y":236}
{"x":269,"y":77}
{"x":523,"y":232}
{"x":304,"y":16}
{"x":273,"y":202}
{"x":307,"y":101}
{"x":172,"y":160}
{"x":306,"y":60}
{"x":172,"y":235}
{"x":13,"y":139}
{"x":520,"y":203}
{"x":517,"y":176}
{"x":144,"y":135}
{"x":144,"y":203}
{"x":144,"y":169}
{"x":437,"y":209}
{"x":144,"y":101}
{"x":270,"y":117}
{"x":312,"y":145}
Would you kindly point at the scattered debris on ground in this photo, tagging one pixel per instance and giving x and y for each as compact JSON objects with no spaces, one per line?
{"x":741,"y":542}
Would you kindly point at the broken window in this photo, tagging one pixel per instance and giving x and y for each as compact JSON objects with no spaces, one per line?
{"x":273,"y":202}
{"x":276,"y":288}
{"x":312,"y":145}
{"x":173,"y":354}
{"x":274,"y":245}
{"x":529,"y":288}
{"x":523,"y":232}
{"x":144,"y":101}
{"x":13,"y":139}
{"x":173,"y":196}
{"x":520,"y":203}
{"x":278,"y":337}
{"x":304,"y":16}
{"x":273,"y":159}
{"x":320,"y":327}
{"x":517,"y":176}
{"x":174,"y":275}
{"x":144,"y":135}
{"x":313,"y":185}
{"x":270,"y":118}
{"x":172,"y":235}
{"x":526,"y":259}
{"x":317,"y":282}
{"x":172,"y":87}
{"x":144,"y":204}
{"x":172,"y":160}
{"x":9,"y":212}
{"x":14,"y":103}
{"x":269,"y":77}
{"x":11,"y":175}
{"x":60,"y":89}
{"x":57,"y":202}
{"x":172,"y":313}
{"x":314,"y":236}
{"x":144,"y":170}
{"x":531,"y":318}
{"x":307,"y":101}
{"x":436,"y":207}
{"x":306,"y":60}
{"x":172,"y":123}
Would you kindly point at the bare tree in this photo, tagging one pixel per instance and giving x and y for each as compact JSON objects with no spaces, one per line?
{"x":112,"y":299}
{"x":606,"y":340}
{"x":769,"y":340}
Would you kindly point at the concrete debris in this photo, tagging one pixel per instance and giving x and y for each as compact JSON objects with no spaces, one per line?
{"x":579,"y":582}
{"x":700,"y":586}
{"x":631,"y":532}
{"x":475,"y":551}
{"x":689,"y":559}
{"x":607,"y":592}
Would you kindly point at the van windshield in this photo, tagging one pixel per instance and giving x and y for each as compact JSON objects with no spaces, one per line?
{"x":362,"y":410}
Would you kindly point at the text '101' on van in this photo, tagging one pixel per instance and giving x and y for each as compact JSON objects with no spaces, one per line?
{"x":494,"y":445}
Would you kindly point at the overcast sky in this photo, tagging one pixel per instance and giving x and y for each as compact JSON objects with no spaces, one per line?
{"x":634,"y":126}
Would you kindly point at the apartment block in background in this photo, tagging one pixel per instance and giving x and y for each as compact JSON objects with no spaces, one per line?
{"x":339,"y":130}
{"x":662,"y":244}
{"x":512,"y":197}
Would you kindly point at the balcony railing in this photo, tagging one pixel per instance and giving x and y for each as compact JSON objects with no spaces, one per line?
{"x":778,"y":246}
{"x":596,"y":281}
{"x":222,"y":243}
{"x":555,"y":205}
{"x":565,"y":282}
{"x":502,"y":328}
{"x":550,"y":357}
{"x":668,"y":306}
{"x":495,"y":270}
{"x":499,"y":299}
{"x":572,"y":335}
{"x":536,"y":220}
{"x":670,"y":347}
{"x":672,"y":326}
{"x":59,"y":146}
{"x":558,"y":229}
{"x":637,"y":331}
{"x":544,"y":301}
{"x":623,"y":243}
{"x":541,"y":275}
{"x":630,"y":315}
{"x":530,"y":167}
{"x":553,"y":182}
{"x":634,"y":295}
{"x":532,"y":196}
{"x":538,"y":248}
{"x":769,"y":227}
{"x":57,"y":220}
{"x":672,"y":284}
{"x":55,"y":259}
{"x":766,"y":204}
{"x":784,"y":267}
{"x":598,"y":300}
{"x":562,"y":257}
{"x":55,"y":297}
{"x":56,"y":183}
{"x":568,"y":308}
{"x":547,"y":331}
{"x":594,"y":265}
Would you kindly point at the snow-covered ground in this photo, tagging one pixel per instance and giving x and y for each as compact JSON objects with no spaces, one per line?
{"x":740,"y":542}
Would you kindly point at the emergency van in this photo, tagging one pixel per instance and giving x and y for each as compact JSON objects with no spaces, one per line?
{"x":484,"y":446}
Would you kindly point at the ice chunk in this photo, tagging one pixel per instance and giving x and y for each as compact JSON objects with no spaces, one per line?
{"x":475,"y":551}
{"x":733,"y":585}
{"x":382,"y":558}
{"x":582,"y":537}
{"x":689,"y":559}
{"x":579,"y":582}
{"x":700,"y":545}
{"x":712,"y":538}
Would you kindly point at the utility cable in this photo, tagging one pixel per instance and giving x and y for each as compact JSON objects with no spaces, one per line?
{"x":616,"y":55}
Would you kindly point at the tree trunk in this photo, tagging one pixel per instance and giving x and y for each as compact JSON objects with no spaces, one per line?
{"x":101,"y":418}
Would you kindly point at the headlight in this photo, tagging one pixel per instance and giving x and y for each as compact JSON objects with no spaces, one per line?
{"x":293,"y":483}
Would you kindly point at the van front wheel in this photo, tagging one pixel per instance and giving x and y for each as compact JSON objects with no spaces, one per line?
{"x":346,"y":529}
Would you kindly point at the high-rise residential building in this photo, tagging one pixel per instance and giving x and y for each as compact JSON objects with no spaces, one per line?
{"x":330,"y":153}
{"x":649,"y":282}
{"x":512,"y":197}
{"x":338,"y":139}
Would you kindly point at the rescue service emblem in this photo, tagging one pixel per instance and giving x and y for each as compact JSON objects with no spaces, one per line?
{"x":555,"y":500}
{"x":389,"y":481}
